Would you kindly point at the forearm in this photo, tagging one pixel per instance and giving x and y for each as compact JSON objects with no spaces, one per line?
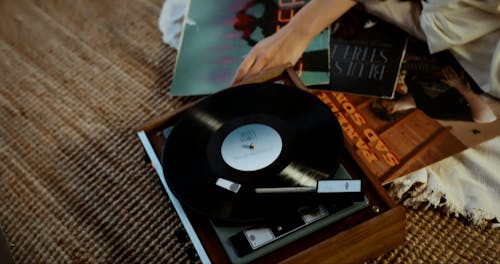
{"x":317,"y":15}
{"x":480,"y":110}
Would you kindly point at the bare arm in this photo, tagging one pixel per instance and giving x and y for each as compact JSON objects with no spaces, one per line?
{"x":480,"y":110}
{"x":286,"y":46}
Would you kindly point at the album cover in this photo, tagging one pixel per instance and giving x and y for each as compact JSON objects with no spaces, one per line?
{"x":438,"y":111}
{"x":366,"y":55}
{"x":218,"y":34}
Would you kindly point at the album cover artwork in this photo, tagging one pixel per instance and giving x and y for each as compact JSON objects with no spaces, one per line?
{"x":438,"y":110}
{"x":366,"y":55}
{"x":218,"y":34}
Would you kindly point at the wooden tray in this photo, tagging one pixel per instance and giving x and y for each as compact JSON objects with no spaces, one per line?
{"x":359,"y":237}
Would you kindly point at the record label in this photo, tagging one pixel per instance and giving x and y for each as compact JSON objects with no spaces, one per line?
{"x":251,"y":147}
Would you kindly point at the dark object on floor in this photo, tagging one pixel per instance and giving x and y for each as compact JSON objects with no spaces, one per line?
{"x":5,"y":255}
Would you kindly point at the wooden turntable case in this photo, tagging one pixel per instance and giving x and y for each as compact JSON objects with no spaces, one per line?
{"x":359,"y":237}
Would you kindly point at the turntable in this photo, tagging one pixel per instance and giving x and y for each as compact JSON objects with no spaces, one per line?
{"x":257,"y":173}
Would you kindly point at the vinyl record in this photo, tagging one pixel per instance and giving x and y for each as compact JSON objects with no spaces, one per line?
{"x":257,"y":135}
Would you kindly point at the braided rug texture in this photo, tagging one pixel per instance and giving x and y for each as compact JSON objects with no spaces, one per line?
{"x":76,"y":78}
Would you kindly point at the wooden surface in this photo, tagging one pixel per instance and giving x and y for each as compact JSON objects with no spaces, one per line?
{"x":361,"y":243}
{"x":359,"y":237}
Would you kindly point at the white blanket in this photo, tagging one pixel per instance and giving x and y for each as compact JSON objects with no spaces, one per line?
{"x":466,"y":184}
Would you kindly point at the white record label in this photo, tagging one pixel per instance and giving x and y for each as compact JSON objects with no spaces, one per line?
{"x":251,"y":147}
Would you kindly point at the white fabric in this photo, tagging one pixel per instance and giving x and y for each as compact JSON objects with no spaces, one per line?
{"x":466,"y":184}
{"x":171,"y":21}
{"x":471,"y":30}
{"x":403,"y":14}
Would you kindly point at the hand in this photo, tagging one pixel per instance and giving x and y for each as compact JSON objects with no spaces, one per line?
{"x":286,"y":46}
{"x":274,"y":53}
{"x":480,"y":110}
{"x":452,"y":79}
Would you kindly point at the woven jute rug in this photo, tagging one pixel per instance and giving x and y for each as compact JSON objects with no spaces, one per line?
{"x":76,"y":78}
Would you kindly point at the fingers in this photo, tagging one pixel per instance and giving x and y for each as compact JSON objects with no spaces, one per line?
{"x":242,"y":70}
{"x":251,"y":67}
{"x":446,"y":73}
{"x":264,"y":75}
{"x":259,"y":72}
{"x":274,"y":51}
{"x":258,"y":65}
{"x":450,"y":73}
